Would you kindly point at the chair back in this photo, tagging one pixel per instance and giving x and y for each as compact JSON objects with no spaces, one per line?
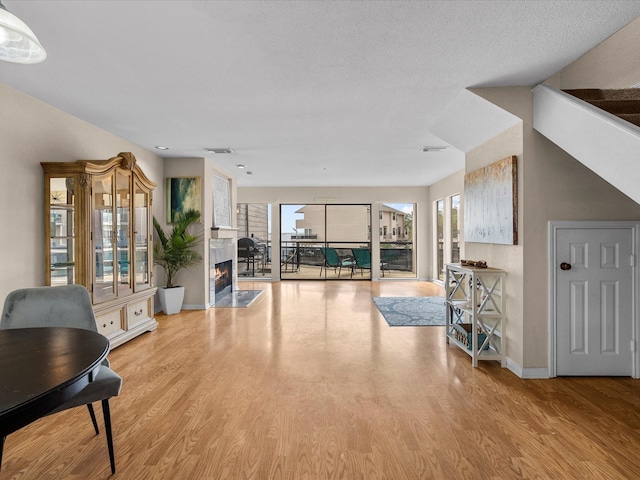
{"x":63,"y":306}
{"x":362,"y":257}
{"x":331,"y":256}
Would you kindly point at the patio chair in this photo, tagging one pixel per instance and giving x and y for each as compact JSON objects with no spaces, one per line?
{"x":362,"y":257}
{"x":333,"y":260}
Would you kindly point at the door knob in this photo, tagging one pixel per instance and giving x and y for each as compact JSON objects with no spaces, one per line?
{"x":565,"y":266}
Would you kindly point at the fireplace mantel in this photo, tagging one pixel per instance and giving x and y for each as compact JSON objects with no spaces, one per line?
{"x":224,"y":232}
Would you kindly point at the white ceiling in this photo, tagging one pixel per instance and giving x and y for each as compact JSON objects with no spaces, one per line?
{"x":307,"y":93}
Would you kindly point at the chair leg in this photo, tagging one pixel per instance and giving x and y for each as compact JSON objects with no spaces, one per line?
{"x":93,"y":418}
{"x":107,"y":426}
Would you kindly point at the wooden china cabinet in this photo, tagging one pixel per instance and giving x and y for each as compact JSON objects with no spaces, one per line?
{"x":98,"y":233}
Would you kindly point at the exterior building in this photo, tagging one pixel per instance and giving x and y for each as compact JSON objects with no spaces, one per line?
{"x":393,"y":225}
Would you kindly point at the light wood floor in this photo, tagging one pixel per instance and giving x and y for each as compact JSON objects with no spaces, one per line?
{"x":311,"y":383}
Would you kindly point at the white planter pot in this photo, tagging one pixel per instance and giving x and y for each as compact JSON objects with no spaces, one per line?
{"x":171,"y":299}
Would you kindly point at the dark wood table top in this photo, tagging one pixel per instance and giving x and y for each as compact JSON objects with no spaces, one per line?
{"x":41,"y":368}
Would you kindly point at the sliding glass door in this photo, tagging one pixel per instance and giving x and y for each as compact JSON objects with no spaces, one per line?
{"x":320,"y":241}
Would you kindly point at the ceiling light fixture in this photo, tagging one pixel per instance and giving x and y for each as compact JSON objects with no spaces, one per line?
{"x":434,"y":149}
{"x":18,"y":44}
{"x":219,"y":150}
{"x":161,"y":147}
{"x":241,"y":166}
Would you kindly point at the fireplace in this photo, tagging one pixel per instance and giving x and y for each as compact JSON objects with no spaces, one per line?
{"x":223,"y":281}
{"x":222,"y":269}
{"x":223,"y":278}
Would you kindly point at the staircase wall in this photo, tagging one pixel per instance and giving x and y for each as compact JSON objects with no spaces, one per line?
{"x":603,"y":142}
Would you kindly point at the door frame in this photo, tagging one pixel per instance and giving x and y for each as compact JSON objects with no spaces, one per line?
{"x":554,"y":228}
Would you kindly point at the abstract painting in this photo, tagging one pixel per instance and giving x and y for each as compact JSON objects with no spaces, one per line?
{"x":183,"y":193}
{"x":491,"y":203}
{"x":221,"y":202}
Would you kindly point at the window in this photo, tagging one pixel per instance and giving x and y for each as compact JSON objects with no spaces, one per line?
{"x":447,"y":233}
{"x":397,"y":255}
{"x":455,"y":229}
{"x":254,"y":222}
{"x":440,"y":239}
{"x":318,"y":240}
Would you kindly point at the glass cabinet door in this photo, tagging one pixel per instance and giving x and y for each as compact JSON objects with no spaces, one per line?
{"x":103,"y":238}
{"x":141,"y":237}
{"x":122,"y":266}
{"x":62,"y":268}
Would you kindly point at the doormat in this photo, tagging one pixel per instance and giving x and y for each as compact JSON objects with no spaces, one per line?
{"x":412,"y":311}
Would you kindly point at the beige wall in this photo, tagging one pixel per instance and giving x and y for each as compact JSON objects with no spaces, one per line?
{"x":611,"y":64}
{"x":552,"y":185}
{"x":196,"y":279}
{"x":30,"y":132}
{"x":353,"y":195}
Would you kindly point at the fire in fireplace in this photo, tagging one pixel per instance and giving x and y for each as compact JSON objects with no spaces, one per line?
{"x":223,"y":280}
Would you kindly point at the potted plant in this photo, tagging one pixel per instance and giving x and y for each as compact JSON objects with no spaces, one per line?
{"x":173,"y":252}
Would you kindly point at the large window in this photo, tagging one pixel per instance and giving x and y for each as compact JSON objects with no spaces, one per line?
{"x":455,"y":229}
{"x":254,"y":240}
{"x":397,"y":255}
{"x":446,"y":233}
{"x":325,"y":241}
{"x":440,"y":239}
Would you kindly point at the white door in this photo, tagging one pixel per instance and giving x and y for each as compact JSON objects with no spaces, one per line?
{"x":594,"y":295}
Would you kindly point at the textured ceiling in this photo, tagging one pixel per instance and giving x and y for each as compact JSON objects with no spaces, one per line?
{"x":340,"y":93}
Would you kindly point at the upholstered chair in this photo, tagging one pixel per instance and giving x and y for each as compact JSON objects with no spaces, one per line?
{"x":66,"y":306}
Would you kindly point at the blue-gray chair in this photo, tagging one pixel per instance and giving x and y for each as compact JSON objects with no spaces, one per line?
{"x":65,"y":306}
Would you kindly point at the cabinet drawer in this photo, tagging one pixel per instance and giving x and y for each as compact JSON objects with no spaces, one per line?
{"x":138,"y":312}
{"x":110,"y":323}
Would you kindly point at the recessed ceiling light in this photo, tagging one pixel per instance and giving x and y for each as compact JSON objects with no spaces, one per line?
{"x":434,"y":149}
{"x":161,"y":147}
{"x":241,"y":166}
{"x":219,"y":150}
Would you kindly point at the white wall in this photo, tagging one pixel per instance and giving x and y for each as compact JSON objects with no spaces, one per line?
{"x":351,"y":195}
{"x":32,"y":132}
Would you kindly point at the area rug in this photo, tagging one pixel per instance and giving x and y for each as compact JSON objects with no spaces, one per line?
{"x":412,"y":311}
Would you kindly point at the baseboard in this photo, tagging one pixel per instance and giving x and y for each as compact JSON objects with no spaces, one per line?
{"x":188,"y":306}
{"x":527,"y":373}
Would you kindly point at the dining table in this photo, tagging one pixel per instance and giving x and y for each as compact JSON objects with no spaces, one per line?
{"x":41,"y":369}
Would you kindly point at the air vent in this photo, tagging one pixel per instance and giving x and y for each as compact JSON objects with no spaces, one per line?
{"x":219,"y":150}
{"x":434,"y":149}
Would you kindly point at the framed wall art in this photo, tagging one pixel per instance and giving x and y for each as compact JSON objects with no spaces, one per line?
{"x":221,"y":202}
{"x":183,"y":193}
{"x":491,"y":203}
